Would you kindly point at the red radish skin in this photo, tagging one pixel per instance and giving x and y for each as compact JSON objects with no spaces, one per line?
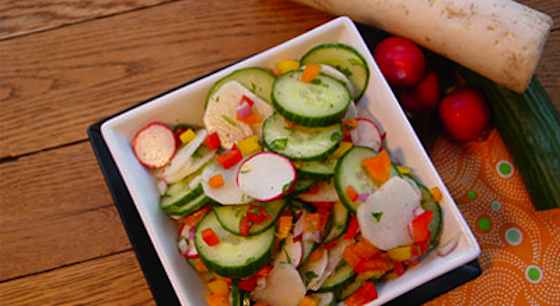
{"x":166,"y":140}
{"x":401,"y":61}
{"x":424,"y":97}
{"x":464,"y":114}
{"x":274,"y":155}
{"x":372,"y":139}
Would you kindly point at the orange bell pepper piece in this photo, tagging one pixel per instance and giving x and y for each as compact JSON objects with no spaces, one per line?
{"x":310,"y":72}
{"x":378,"y":167}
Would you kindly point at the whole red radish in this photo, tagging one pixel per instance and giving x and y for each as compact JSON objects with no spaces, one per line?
{"x":424,"y":96}
{"x":401,"y":61}
{"x":464,"y":114}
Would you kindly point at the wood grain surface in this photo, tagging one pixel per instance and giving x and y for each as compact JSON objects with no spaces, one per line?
{"x":21,"y":17}
{"x":67,"y":63}
{"x":110,"y":280}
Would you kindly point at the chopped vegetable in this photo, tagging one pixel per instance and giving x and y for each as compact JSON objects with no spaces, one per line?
{"x":377,"y":264}
{"x":200,"y":266}
{"x":436,"y":194}
{"x":310,"y":72}
{"x":401,"y":253}
{"x":219,"y":287}
{"x":351,"y":193}
{"x":210,"y":237}
{"x":212,"y":141}
{"x":353,"y":228}
{"x":419,"y":226}
{"x":284,"y":227}
{"x":364,"y":249}
{"x":248,"y":284}
{"x":216,"y":181}
{"x":286,"y":66}
{"x":249,"y":145}
{"x":154,"y":145}
{"x":342,"y":148}
{"x":230,"y":158}
{"x":365,"y":294}
{"x":187,"y":136}
{"x":308,"y":301}
{"x":378,"y":167}
{"x":218,"y":300}
{"x":193,"y":219}
{"x":252,"y":118}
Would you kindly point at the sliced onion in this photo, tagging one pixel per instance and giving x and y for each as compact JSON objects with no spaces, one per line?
{"x":298,"y":228}
{"x":448,"y":247}
{"x":314,"y":236}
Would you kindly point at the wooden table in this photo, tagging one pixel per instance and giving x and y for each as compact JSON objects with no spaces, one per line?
{"x":65,"y":64}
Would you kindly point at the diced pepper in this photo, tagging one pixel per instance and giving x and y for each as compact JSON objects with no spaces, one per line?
{"x":253,"y":118}
{"x":350,"y":123}
{"x":200,"y":266}
{"x":212,"y":141}
{"x":330,"y":245}
{"x":193,"y":219}
{"x":264,"y":271}
{"x":187,"y":136}
{"x":249,"y":145}
{"x":230,"y":158}
{"x":353,"y":228}
{"x":342,"y":148}
{"x":312,"y":222}
{"x":218,"y":300}
{"x":308,"y":301}
{"x":378,"y":167}
{"x":365,"y":294}
{"x":436,"y":194}
{"x":245,"y":226}
{"x":248,"y":284}
{"x":351,"y":193}
{"x":210,"y":237}
{"x":316,"y":255}
{"x":365,"y":249}
{"x":403,"y":170}
{"x":286,"y":66}
{"x":216,"y":181}
{"x":284,"y":227}
{"x":373,"y":264}
{"x":257,"y":214}
{"x":350,"y":257}
{"x":314,"y":189}
{"x":398,"y":268}
{"x":369,"y":275}
{"x":401,"y":253}
{"x":289,"y":124}
{"x":245,"y":99}
{"x":419,"y":226}
{"x":419,"y":248}
{"x":310,"y":72}
{"x":219,"y":287}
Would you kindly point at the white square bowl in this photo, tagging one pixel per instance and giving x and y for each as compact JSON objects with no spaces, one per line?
{"x":186,"y":105}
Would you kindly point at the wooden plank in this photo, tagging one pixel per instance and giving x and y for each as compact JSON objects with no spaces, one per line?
{"x":112,"y":280}
{"x":550,"y":7}
{"x":548,"y":71}
{"x":24,"y":17}
{"x":54,"y":84}
{"x":55,"y":210}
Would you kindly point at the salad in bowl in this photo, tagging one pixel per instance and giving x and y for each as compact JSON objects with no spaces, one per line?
{"x":287,"y":195}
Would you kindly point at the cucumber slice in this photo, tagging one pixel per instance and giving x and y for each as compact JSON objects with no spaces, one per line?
{"x":303,"y":184}
{"x":342,"y":276}
{"x":190,"y":207}
{"x":235,"y":298}
{"x":178,"y":195}
{"x":340,"y":217}
{"x":321,"y":102}
{"x":428,"y":203}
{"x":349,"y":172}
{"x":344,"y":58}
{"x":320,"y":169}
{"x":257,"y":80}
{"x":230,"y":216}
{"x":234,"y":256}
{"x":349,"y":289}
{"x":300,"y":143}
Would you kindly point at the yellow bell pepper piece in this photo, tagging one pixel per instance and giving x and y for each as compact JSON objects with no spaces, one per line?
{"x":284,"y":227}
{"x":218,"y":287}
{"x":436,"y":194}
{"x":285,"y":66}
{"x":369,"y":275}
{"x":187,"y":136}
{"x":404,"y":170}
{"x":342,"y":148}
{"x":400,"y":253}
{"x":308,"y":301}
{"x":249,"y":145}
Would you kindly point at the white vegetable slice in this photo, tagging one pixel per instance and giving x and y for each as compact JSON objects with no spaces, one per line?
{"x":194,"y":165}
{"x":335,"y":256}
{"x":266,"y":176}
{"x":326,"y":193}
{"x":154,"y":145}
{"x":313,"y":271}
{"x":366,"y":134}
{"x":229,"y":193}
{"x":325,"y":299}
{"x":175,"y":171}
{"x":284,"y":287}
{"x":220,"y":115}
{"x":291,"y":252}
{"x":335,"y":73}
{"x":385,"y":216}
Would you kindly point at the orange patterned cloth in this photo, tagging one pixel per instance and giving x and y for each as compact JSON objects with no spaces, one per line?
{"x":520,"y":247}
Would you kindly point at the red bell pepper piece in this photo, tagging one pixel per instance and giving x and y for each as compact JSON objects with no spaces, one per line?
{"x":353,"y":228}
{"x":248,"y":284}
{"x":210,"y":237}
{"x":245,"y":226}
{"x":212,"y":141}
{"x":248,"y":100}
{"x":257,"y":214}
{"x":365,"y":294}
{"x":419,"y":226}
{"x":230,"y":158}
{"x":398,"y":268}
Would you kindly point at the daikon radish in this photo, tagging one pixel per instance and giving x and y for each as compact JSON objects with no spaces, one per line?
{"x":500,"y":39}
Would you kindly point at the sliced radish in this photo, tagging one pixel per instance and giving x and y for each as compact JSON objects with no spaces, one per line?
{"x":447,"y":247}
{"x":229,"y":193}
{"x":291,"y":252}
{"x":335,"y":73}
{"x":284,"y":287}
{"x":326,"y":193}
{"x":363,"y":112}
{"x":314,"y":270}
{"x":335,"y":257}
{"x":154,"y":145}
{"x":175,"y":171}
{"x":366,"y":134}
{"x":266,"y":176}
{"x":384,"y":218}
